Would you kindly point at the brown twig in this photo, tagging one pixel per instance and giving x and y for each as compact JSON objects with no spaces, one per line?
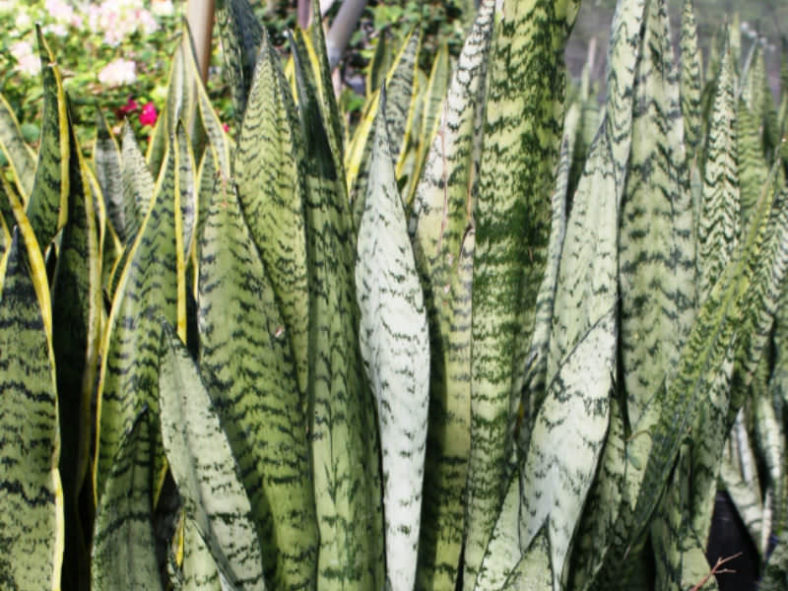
{"x":716,"y":570}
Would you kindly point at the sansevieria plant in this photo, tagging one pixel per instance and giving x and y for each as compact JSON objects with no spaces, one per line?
{"x":493,"y":337}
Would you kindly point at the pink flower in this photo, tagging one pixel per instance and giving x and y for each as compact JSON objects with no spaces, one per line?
{"x":148,"y":115}
{"x":226,"y":128}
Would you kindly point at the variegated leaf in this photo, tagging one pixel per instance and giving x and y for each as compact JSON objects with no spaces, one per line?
{"x":149,"y":288}
{"x":691,"y":78}
{"x":31,"y":497}
{"x":342,"y":426}
{"x":241,"y":34}
{"x":137,"y":184}
{"x":123,"y":542}
{"x":395,"y":347}
{"x":581,"y":366}
{"x":204,"y":468}
{"x":249,"y":370}
{"x":268,"y":171}
{"x":522,"y":133}
{"x":77,"y":311}
{"x":108,"y":164}
{"x":20,"y":156}
{"x":47,"y":206}
{"x":444,"y":243}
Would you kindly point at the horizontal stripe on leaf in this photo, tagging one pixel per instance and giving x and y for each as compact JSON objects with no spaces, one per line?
{"x":269,"y":176}
{"x":47,"y":206}
{"x":31,"y":498}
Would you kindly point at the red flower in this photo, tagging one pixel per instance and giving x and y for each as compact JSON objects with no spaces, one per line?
{"x":148,"y":115}
{"x":130,"y":107}
{"x":226,"y":128}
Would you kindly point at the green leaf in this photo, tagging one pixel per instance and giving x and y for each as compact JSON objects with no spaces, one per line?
{"x":395,"y":347}
{"x":137,"y":184}
{"x":123,"y":542}
{"x":503,"y":554}
{"x":342,"y":426}
{"x":108,"y":164}
{"x":753,"y":170}
{"x":432,"y":108}
{"x":691,"y":78}
{"x":443,"y":242}
{"x":656,"y":246}
{"x":77,"y":313}
{"x":522,"y":133}
{"x":241,"y":34}
{"x":719,"y":224}
{"x":268,"y":174}
{"x":47,"y":207}
{"x":20,"y":156}
{"x":204,"y":468}
{"x":250,"y":372}
{"x":149,"y":289}
{"x":200,"y":572}
{"x":31,"y":498}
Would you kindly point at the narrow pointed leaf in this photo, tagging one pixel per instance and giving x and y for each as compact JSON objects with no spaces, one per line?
{"x":395,"y":347}
{"x":47,"y":207}
{"x":137,"y":184}
{"x":656,"y":244}
{"x":200,"y":572}
{"x":123,"y":543}
{"x":503,"y":553}
{"x":719,"y":224}
{"x":522,"y":135}
{"x":268,"y":171}
{"x":204,"y":469}
{"x":108,"y":163}
{"x":241,"y":34}
{"x":691,"y":78}
{"x":247,"y":359}
{"x":77,"y":311}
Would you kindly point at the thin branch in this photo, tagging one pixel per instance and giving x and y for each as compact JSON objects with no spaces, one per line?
{"x":716,"y":570}
{"x":342,"y":28}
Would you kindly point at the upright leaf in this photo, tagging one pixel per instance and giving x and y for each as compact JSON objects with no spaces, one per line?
{"x":395,"y":348}
{"x":342,"y":426}
{"x":691,"y":78}
{"x":77,"y":312}
{"x":31,"y":497}
{"x":270,"y":144}
{"x":443,"y":242}
{"x":148,"y":290}
{"x":123,"y":542}
{"x":20,"y":156}
{"x":108,"y":163}
{"x":248,"y":362}
{"x":656,"y":244}
{"x":570,"y":427}
{"x":719,"y":223}
{"x":137,"y":184}
{"x":47,"y":207}
{"x":241,"y":34}
{"x":522,"y":135}
{"x":204,"y":468}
